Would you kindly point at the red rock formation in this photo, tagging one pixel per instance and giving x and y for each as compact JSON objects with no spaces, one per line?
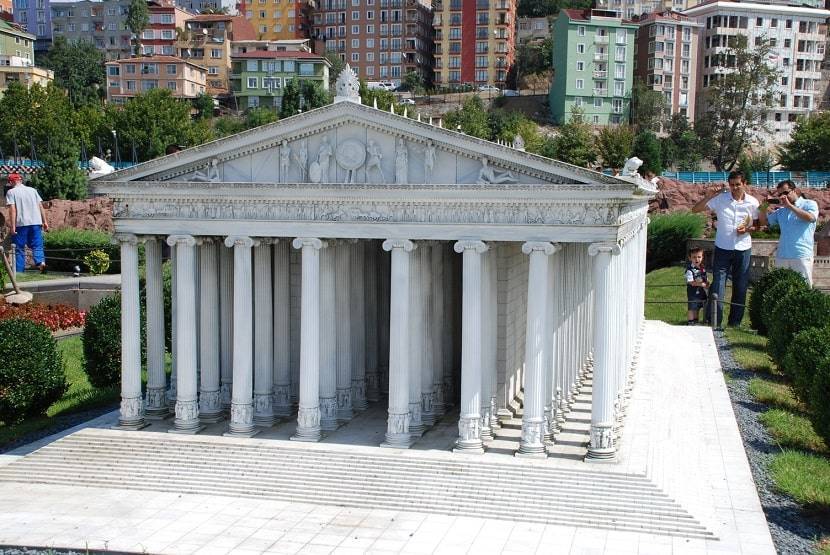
{"x":93,"y":213}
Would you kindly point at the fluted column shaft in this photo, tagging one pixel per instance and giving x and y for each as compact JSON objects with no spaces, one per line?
{"x":357,"y":301}
{"x":372,"y":331}
{"x":437,"y":323}
{"x":187,"y":408}
{"x":282,"y":332}
{"x":384,"y":280}
{"x":171,"y":393}
{"x":492,"y":339}
{"x":242,"y":413}
{"x":342,"y":261}
{"x":156,"y":405}
{"x":328,"y":341}
{"x":263,"y":336}
{"x":548,"y":362}
{"x":469,"y":423}
{"x":132,"y":405}
{"x":448,"y":362}
{"x":397,"y":430}
{"x":210,"y":402}
{"x":226,"y":325}
{"x":308,"y":417}
{"x":416,"y":351}
{"x":557,"y":332}
{"x":427,"y":359}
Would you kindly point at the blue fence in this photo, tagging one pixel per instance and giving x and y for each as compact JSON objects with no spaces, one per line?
{"x":761,"y":179}
{"x":12,"y":164}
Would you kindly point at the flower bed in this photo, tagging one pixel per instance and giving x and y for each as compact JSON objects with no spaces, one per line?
{"x":55,"y":317}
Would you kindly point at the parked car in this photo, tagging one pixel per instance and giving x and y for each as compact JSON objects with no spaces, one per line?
{"x":382,"y":85}
{"x":489,"y":88}
{"x":407,"y":101}
{"x":509,"y":92}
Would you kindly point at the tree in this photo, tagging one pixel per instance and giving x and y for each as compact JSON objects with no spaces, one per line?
{"x":313,"y":95}
{"x":290,"y":99}
{"x":541,"y":8}
{"x":736,"y":102}
{"x":79,"y":68}
{"x":228,"y":125}
{"x":614,"y":145}
{"x":682,"y":146}
{"x":60,"y":176}
{"x":337,"y":65}
{"x":648,"y":107}
{"x":259,"y":116}
{"x":647,"y":148}
{"x":138,"y":17}
{"x":204,"y":105}
{"x":413,"y":82}
{"x":574,"y":144}
{"x":471,"y":119}
{"x":369,"y":96}
{"x":809,"y":144}
{"x":754,"y":162}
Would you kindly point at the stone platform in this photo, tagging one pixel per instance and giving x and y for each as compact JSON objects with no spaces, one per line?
{"x":682,"y":483}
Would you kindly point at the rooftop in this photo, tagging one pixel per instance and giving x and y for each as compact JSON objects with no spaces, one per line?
{"x":273,"y":54}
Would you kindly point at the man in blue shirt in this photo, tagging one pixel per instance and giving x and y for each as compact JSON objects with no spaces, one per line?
{"x":796,"y":216}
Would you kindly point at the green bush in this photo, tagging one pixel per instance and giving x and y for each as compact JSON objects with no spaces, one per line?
{"x":756,"y":301}
{"x":102,"y":342}
{"x":798,"y":311}
{"x":32,"y":374}
{"x":776,"y":292}
{"x":66,"y":248}
{"x":819,"y":395}
{"x":97,"y":261}
{"x":808,"y":348}
{"x":667,"y":236}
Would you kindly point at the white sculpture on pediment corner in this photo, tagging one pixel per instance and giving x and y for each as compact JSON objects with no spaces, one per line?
{"x":301,"y":157}
{"x":374,"y":157}
{"x":347,"y":86}
{"x":488,"y":175}
{"x":99,"y":167}
{"x":401,"y":163}
{"x":429,"y":161}
{"x":210,"y":175}
{"x":632,"y":165}
{"x":519,"y":143}
{"x":285,"y":160}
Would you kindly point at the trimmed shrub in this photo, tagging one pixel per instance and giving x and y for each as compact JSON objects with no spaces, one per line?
{"x":798,"y":311}
{"x":756,"y":300}
{"x":772,"y":296}
{"x":102,"y":342}
{"x":808,"y":348}
{"x":66,"y":248}
{"x":819,"y":395}
{"x":667,"y":236}
{"x":32,"y":374}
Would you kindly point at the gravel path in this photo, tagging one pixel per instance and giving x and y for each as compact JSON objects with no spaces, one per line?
{"x":791,"y":531}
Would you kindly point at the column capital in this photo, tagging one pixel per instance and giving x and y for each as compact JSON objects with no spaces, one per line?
{"x":205,"y":240}
{"x":183,"y":240}
{"x":129,"y":238}
{"x":470,"y":244}
{"x":405,"y":244}
{"x":240,"y":241}
{"x":544,"y":247}
{"x":610,"y":248}
{"x":313,"y":242}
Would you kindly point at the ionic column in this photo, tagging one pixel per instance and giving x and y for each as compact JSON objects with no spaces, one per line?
{"x":131,"y":416}
{"x":533,"y":422}
{"x":357,"y":302}
{"x":242,"y":411}
{"x":328,"y":341}
{"x":558,"y":330}
{"x":171,"y":392}
{"x":469,"y":423}
{"x":384,"y":279}
{"x":427,"y":359}
{"x":308,"y":417}
{"x":491,"y":338}
{"x":342,"y":263}
{"x":210,"y":401}
{"x":282,"y":332}
{"x":156,"y":378}
{"x":397,"y":431}
{"x":448,"y":315}
{"x":372,"y":331}
{"x":601,"y":445}
{"x":416,"y":350}
{"x":486,"y":315}
{"x":437,"y":323}
{"x":263,"y":336}
{"x":548,"y":363}
{"x":226,"y":326}
{"x":187,"y":407}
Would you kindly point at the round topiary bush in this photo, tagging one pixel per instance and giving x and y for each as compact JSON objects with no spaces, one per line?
{"x":772,"y":296}
{"x":756,"y":300}
{"x":667,"y":236}
{"x":819,"y":394}
{"x":808,"y":348}
{"x":102,"y":342}
{"x":797,"y":311}
{"x":32,"y":375}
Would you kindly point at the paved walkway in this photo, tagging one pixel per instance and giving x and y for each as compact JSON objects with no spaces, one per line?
{"x":680,"y":433}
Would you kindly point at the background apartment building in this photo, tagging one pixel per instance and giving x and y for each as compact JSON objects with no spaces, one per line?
{"x":592,"y":66}
{"x":259,"y":77}
{"x":382,"y":40}
{"x":475,"y":41}
{"x":198,"y":6}
{"x":128,"y":77}
{"x":17,"y":58}
{"x":532,"y":29}
{"x":279,"y":20}
{"x":105,"y":24}
{"x":160,"y":35}
{"x":665,"y":58}
{"x":34,"y":17}
{"x":798,"y":36}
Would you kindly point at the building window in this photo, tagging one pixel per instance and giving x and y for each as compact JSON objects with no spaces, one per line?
{"x":171,"y":69}
{"x":252,"y":65}
{"x":171,"y":85}
{"x":580,"y":30}
{"x":253,"y":82}
{"x":580,"y":48}
{"x":213,"y":70}
{"x":580,"y":66}
{"x":596,"y":120}
{"x":577,"y":101}
{"x":580,"y":84}
{"x":597,"y":102}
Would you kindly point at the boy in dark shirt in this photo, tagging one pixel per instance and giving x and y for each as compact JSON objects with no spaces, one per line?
{"x":696,"y":284}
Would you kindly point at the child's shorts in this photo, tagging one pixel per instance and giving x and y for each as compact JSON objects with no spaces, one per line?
{"x":696,"y":300}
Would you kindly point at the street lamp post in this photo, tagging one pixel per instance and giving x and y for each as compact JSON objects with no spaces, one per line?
{"x":117,"y":154}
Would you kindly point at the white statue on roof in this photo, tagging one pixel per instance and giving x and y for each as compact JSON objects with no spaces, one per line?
{"x":347,"y":86}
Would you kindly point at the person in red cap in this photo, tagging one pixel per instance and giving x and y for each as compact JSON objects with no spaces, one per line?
{"x":27,"y":221}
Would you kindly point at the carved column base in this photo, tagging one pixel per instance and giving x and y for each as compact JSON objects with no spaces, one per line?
{"x":495,"y":424}
{"x":344,"y":405}
{"x":438,"y":407}
{"x":533,"y":439}
{"x":156,"y":405}
{"x":282,"y":401}
{"x":486,"y":431}
{"x":210,"y":407}
{"x":264,"y":410}
{"x":372,"y":387}
{"x":428,"y":409}
{"x":416,"y":424}
{"x":328,"y":414}
{"x":397,"y":432}
{"x":602,"y":448}
{"x":171,"y":397}
{"x":359,"y":395}
{"x":242,"y":421}
{"x":187,"y":418}
{"x":308,"y":425}
{"x":469,"y":436}
{"x":131,"y":416}
{"x":225,"y":392}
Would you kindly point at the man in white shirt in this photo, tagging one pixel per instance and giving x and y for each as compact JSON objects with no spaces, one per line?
{"x":737,"y":214}
{"x":27,"y":221}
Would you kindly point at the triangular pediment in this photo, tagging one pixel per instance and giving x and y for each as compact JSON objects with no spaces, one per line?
{"x":352,"y":143}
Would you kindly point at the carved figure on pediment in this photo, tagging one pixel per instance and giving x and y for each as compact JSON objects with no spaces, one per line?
{"x":302,"y":159}
{"x":210,"y":175}
{"x":320,"y":168}
{"x":429,"y":162}
{"x":488,"y":175}
{"x":596,"y":215}
{"x":350,"y":155}
{"x":401,"y":163}
{"x":285,"y":160}
{"x":373,"y":160}
{"x":519,"y":143}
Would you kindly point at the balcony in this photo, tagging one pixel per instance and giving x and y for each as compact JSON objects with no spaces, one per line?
{"x":600,"y":92}
{"x":600,"y":39}
{"x":600,"y":57}
{"x":600,"y":74}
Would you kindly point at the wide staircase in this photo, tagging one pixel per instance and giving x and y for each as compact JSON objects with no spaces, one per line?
{"x":520,"y":490}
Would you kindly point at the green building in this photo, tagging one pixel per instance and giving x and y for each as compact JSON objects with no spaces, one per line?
{"x":258,"y":77}
{"x":16,"y":43}
{"x":593,"y":66}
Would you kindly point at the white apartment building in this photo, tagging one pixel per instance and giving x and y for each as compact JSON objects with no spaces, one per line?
{"x":798,"y":35}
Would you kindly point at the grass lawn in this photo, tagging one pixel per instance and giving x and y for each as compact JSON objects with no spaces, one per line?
{"x":34,"y":275}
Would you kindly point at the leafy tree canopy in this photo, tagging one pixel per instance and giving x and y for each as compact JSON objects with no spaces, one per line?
{"x":647,"y":148}
{"x":541,"y":8}
{"x":138,"y":17}
{"x":471,"y":119}
{"x":648,"y":107}
{"x":79,"y":68}
{"x":809,"y":145}
{"x":574,"y":144}
{"x":614,"y":145}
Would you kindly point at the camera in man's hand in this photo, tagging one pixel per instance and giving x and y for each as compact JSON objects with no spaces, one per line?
{"x":774,"y":200}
